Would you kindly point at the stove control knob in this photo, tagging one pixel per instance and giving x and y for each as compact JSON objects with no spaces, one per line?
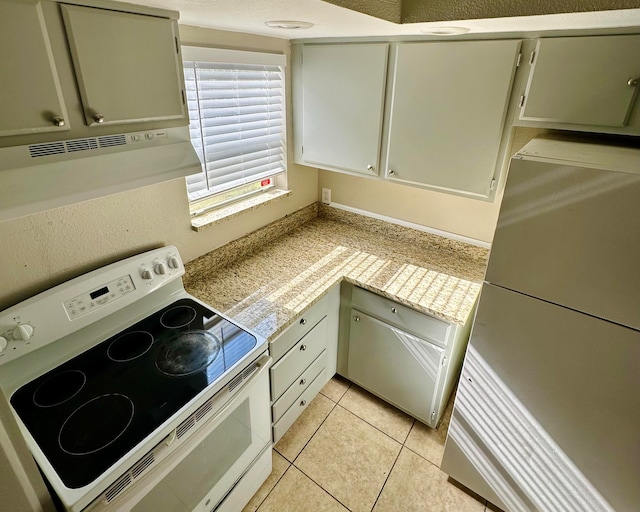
{"x":174,"y":262}
{"x":160,"y":269}
{"x":3,"y":343}
{"x":23,"y":332}
{"x":147,"y":274}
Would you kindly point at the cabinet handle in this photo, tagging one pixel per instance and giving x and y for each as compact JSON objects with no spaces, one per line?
{"x":58,"y":120}
{"x":394,"y":310}
{"x":303,"y":403}
{"x":303,"y":382}
{"x":98,"y":118}
{"x":369,"y":167}
{"x":632,"y":82}
{"x":391,"y":172}
{"x":356,"y":318}
{"x":303,"y":321}
{"x":303,"y":347}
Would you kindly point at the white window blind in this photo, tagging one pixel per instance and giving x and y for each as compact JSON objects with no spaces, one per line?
{"x":236,"y":112}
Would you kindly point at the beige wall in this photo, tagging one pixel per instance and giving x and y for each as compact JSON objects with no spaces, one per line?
{"x":47,"y":248}
{"x":455,"y":214}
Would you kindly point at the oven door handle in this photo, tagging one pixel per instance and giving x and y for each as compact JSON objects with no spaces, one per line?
{"x":262,"y":364}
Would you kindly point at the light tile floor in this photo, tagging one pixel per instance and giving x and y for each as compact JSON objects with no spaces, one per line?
{"x":350,"y":451}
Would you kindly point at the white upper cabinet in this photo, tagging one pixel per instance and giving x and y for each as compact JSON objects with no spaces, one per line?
{"x":71,"y":71}
{"x":588,"y":81}
{"x":126,"y":65}
{"x":446,"y":114}
{"x":30,"y":90}
{"x":342,"y":98}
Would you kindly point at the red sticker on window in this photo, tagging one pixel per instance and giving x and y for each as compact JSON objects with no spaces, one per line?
{"x":266,"y":182}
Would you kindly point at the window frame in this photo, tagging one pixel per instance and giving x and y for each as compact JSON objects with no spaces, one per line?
{"x":205,"y":204}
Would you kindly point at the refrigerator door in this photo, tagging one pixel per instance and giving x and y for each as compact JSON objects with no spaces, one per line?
{"x":569,"y":235}
{"x":547,"y":414}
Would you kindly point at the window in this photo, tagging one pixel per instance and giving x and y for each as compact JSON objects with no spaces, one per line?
{"x":237,"y":123}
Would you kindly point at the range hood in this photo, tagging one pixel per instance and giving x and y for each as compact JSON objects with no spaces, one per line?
{"x":39,"y":177}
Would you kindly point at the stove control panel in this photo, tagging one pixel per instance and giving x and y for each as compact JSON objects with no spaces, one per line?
{"x":90,"y":301}
{"x":79,"y":303}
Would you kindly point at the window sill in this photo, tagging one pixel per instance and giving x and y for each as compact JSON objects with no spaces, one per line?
{"x":213,"y":217}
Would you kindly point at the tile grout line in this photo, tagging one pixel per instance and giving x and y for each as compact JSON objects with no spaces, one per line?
{"x":327,"y":492}
{"x":274,"y":485}
{"x":371,"y":425}
{"x":387,"y":479}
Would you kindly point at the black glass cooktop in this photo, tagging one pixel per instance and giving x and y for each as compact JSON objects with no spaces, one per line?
{"x":89,"y":412}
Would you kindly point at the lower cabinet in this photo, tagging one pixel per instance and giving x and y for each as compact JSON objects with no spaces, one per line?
{"x":407,"y":358}
{"x":305,"y":359}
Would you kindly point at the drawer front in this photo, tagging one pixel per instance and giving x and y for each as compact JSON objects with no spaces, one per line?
{"x":299,"y":386}
{"x":298,"y":407}
{"x":423,"y":325}
{"x":299,"y":357}
{"x":302,"y":326}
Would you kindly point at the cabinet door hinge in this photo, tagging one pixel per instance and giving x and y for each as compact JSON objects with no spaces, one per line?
{"x":184,"y":99}
{"x":521,"y":102}
{"x":433,"y":415}
{"x":492,"y":184}
{"x":532,"y":58}
{"x":519,"y":61}
{"x":177,"y":45}
{"x":302,"y":150}
{"x":301,"y":55}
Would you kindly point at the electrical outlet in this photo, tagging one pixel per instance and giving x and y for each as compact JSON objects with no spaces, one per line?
{"x":326,"y":195}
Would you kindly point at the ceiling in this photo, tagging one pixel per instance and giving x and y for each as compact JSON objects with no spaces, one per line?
{"x":335,"y":21}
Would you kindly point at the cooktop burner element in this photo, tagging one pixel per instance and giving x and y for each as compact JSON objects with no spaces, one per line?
{"x":108,"y":415}
{"x":130,"y":346}
{"x":59,"y":388}
{"x":88,"y":413}
{"x":187,"y":352}
{"x":178,"y":317}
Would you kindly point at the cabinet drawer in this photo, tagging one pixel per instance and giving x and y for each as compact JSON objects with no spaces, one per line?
{"x":285,"y":371}
{"x":298,"y":407}
{"x":298,"y":387}
{"x":406,"y":318}
{"x":289,"y":337}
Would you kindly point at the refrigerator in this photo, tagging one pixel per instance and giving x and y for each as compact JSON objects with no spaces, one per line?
{"x":547,"y":412}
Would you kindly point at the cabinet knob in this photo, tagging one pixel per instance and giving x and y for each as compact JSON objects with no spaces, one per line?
{"x":303,"y":347}
{"x":58,"y":121}
{"x":303,"y":321}
{"x":356,"y":318}
{"x":98,"y":118}
{"x":369,"y":167}
{"x":303,"y":382}
{"x":394,"y":310}
{"x":303,"y":403}
{"x":391,"y":172}
{"x":632,"y":82}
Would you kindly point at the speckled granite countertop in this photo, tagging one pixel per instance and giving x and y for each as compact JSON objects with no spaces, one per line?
{"x":268,"y":278}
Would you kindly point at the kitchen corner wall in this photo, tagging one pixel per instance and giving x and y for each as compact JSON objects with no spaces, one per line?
{"x":47,"y":248}
{"x":454,"y":214}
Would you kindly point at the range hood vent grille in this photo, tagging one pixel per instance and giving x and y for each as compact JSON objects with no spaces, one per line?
{"x":72,"y":146}
{"x":48,"y":149}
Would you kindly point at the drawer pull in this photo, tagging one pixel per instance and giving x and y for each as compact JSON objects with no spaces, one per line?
{"x":356,"y":318}
{"x":303,"y":347}
{"x":303,"y":403}
{"x":303,"y":382}
{"x":303,"y":321}
{"x":394,"y":310}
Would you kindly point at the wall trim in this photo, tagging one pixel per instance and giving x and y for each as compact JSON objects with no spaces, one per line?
{"x":411,"y":225}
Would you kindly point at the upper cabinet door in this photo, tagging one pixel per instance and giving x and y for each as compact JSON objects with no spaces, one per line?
{"x":583,"y":80}
{"x":447,"y":113}
{"x":342,"y":103}
{"x":126,"y":65}
{"x":30,"y":90}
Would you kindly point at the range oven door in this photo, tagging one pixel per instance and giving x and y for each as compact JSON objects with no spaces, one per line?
{"x":210,"y":462}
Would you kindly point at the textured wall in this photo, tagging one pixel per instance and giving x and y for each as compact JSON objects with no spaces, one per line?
{"x":419,"y":11}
